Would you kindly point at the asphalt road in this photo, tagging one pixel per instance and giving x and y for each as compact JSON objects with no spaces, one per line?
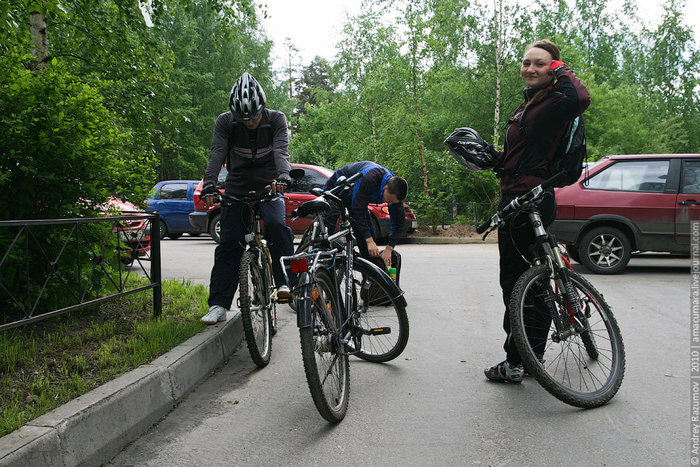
{"x":432,"y":405}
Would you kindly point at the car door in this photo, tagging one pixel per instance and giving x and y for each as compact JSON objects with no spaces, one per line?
{"x":175,"y":206}
{"x":299,"y":194}
{"x":688,"y":200}
{"x":637,"y":192}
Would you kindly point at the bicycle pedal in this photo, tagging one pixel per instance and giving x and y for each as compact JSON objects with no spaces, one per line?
{"x":378,"y":331}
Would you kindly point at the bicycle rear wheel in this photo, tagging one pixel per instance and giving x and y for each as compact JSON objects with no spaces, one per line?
{"x":254,"y":305}
{"x":583,"y":369}
{"x":375,"y":309}
{"x":325,"y":359}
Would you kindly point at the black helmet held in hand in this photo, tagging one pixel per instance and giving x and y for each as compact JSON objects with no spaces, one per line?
{"x":470,"y":150}
{"x":247,"y":99}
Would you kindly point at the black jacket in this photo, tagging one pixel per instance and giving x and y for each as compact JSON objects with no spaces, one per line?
{"x":543,"y":125}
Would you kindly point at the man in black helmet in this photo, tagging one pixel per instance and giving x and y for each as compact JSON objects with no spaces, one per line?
{"x":252,"y":141}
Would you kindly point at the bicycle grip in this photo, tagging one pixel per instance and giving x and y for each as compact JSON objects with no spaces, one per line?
{"x":482,"y":228}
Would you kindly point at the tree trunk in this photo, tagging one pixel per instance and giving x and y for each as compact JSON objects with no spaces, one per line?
{"x":40,"y":51}
{"x":499,"y":68}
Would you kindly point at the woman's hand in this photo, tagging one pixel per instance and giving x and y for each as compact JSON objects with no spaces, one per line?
{"x":556,"y":66}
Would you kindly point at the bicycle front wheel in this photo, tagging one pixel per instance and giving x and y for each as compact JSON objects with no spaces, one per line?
{"x":325,"y":359}
{"x":254,"y":304}
{"x":375,"y":310}
{"x":575,"y":352}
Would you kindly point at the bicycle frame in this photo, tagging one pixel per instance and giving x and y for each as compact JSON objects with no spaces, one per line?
{"x":546,"y":250}
{"x":254,"y":238}
{"x":323,"y":255}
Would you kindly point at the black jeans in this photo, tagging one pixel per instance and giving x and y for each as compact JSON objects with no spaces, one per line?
{"x":227,"y":258}
{"x":514,"y":240}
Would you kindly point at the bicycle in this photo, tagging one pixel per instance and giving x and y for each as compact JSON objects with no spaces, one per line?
{"x":345,"y":304}
{"x":566,"y":334}
{"x":257,"y":295}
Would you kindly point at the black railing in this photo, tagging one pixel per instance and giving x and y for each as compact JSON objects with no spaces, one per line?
{"x":53,"y":266}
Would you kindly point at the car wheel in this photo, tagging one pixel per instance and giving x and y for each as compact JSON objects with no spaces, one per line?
{"x":605,"y":250}
{"x":215,"y":228}
{"x":572,"y":251}
{"x":175,"y":236}
{"x":163,"y":229}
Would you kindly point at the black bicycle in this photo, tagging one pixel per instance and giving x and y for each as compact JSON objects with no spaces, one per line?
{"x":345,"y":304}
{"x":257,"y":296}
{"x":564,"y":330}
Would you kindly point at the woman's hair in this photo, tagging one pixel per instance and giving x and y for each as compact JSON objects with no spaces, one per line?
{"x":551,"y":47}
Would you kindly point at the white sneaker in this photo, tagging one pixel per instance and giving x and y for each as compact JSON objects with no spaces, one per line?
{"x":283,"y":294}
{"x":216,"y":313}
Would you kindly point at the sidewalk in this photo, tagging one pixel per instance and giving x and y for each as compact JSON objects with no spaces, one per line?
{"x":95,"y":427}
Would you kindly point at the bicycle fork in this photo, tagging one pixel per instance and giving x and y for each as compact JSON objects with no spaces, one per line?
{"x":568,"y":323}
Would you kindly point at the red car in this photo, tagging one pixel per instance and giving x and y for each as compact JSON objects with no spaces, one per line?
{"x":207,"y":220}
{"x":627,"y":204}
{"x":134,"y":235}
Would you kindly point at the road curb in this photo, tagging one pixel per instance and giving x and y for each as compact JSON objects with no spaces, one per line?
{"x":445,"y":240}
{"x":93,"y":428}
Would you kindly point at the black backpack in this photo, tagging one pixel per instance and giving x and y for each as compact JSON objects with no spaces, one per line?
{"x":570,"y":156}
{"x":571,"y":153}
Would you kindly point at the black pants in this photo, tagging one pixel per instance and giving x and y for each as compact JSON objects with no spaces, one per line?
{"x":234,"y":219}
{"x":514,"y":240}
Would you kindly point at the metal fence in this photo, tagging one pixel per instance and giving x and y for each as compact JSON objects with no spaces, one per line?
{"x":53,"y":266}
{"x":470,"y":213}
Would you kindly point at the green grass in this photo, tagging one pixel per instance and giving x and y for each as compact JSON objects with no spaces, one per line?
{"x":48,"y":363}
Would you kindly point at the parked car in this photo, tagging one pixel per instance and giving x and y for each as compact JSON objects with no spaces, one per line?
{"x":315,"y":176}
{"x":134,"y":235}
{"x":174,"y":201}
{"x":628,"y":204}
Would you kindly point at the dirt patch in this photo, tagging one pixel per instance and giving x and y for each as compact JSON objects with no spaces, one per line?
{"x":461,"y":231}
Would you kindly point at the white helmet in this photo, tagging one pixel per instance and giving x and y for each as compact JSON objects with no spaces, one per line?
{"x":247,"y":99}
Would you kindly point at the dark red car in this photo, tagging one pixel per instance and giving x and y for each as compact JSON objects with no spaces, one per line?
{"x":627,"y":204}
{"x":207,"y":220}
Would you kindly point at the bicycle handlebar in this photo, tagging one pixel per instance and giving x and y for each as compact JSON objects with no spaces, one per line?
{"x":252,"y":196}
{"x":517,"y":203}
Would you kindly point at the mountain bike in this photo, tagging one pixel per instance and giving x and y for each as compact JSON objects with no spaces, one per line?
{"x":566,"y":334}
{"x":257,"y":295}
{"x":345,"y":304}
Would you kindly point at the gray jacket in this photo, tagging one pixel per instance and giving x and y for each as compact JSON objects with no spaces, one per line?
{"x":254,"y":158}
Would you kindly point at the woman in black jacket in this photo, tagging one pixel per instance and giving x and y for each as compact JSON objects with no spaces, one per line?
{"x":553,"y":97}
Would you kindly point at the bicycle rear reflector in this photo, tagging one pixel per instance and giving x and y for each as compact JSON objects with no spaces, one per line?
{"x":299,"y":265}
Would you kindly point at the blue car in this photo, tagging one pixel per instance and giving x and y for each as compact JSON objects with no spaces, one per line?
{"x":173,"y":201}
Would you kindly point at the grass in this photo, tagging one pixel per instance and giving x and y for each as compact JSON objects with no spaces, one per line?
{"x":46,"y":364}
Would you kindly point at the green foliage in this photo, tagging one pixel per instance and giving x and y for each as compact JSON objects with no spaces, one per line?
{"x":59,"y":145}
{"x":398,"y":95}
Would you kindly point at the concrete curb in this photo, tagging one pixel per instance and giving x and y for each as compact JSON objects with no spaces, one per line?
{"x":446,"y":240}
{"x":93,"y":428}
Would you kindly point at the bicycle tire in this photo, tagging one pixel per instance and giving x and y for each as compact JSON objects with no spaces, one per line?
{"x":569,"y":375}
{"x":325,"y":360}
{"x":375,"y":309}
{"x":254,"y":313}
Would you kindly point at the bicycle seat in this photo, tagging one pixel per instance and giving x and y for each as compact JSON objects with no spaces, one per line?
{"x":312,"y":207}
